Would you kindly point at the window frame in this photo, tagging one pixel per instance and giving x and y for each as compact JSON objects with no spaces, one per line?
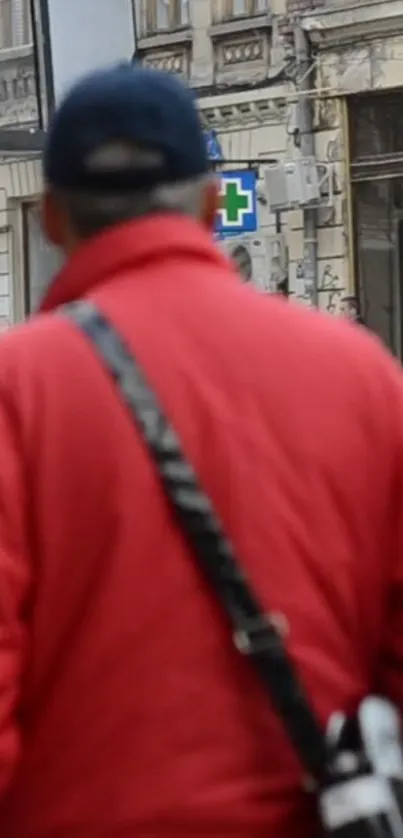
{"x":9,"y":38}
{"x":6,"y":24}
{"x":176,"y":16}
{"x":251,"y":9}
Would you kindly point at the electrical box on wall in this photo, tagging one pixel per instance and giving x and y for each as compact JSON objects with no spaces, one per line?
{"x":261,"y":259}
{"x":295,"y":183}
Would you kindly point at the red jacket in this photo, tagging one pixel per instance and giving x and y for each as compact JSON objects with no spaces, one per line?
{"x":124,"y":708}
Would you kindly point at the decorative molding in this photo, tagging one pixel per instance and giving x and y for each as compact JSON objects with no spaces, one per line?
{"x":15,"y":53}
{"x":366,"y":19}
{"x":169,"y":51}
{"x":173,"y":61}
{"x":242,"y":59}
{"x":163,"y":40}
{"x":242,"y":51}
{"x":240,"y":25}
{"x":222,"y":98}
{"x":18,"y":99}
{"x":254,"y":112}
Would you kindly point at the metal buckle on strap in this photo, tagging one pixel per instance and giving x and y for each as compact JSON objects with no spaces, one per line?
{"x":261,"y":635}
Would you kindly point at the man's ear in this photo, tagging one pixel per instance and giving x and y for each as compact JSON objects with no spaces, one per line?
{"x":53,"y":223}
{"x":211,"y":202}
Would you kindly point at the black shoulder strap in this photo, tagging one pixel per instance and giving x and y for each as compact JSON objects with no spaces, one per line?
{"x":254,"y":634}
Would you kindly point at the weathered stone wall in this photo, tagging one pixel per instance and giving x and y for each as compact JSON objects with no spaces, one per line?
{"x":333,"y":277}
{"x":270,"y":133}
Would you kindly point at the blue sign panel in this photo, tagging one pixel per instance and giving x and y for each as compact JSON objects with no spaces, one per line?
{"x":213,"y":144}
{"x":238,"y":205}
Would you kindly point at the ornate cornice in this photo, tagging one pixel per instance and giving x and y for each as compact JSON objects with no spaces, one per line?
{"x":165,"y":40}
{"x":240,"y":26}
{"x":254,"y":111}
{"x":350,"y":23}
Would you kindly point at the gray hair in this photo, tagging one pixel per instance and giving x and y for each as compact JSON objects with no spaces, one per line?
{"x":90,"y":213}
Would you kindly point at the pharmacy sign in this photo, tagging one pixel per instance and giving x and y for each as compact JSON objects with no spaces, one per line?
{"x":237,"y":212}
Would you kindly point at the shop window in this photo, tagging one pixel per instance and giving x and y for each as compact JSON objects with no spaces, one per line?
{"x":376,"y":150}
{"x":376,"y":260}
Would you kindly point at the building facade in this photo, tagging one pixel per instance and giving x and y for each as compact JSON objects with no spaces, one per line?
{"x":19,"y":174}
{"x":359,"y":73}
{"x":276,"y":80}
{"x":240,"y":56}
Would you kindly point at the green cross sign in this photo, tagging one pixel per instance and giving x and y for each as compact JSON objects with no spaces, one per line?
{"x":235,"y":202}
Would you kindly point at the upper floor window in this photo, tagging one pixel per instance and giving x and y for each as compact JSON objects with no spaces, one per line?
{"x":15,"y":23}
{"x":165,"y":15}
{"x":243,"y":8}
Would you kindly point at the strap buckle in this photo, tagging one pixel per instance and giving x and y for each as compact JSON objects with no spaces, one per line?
{"x":261,"y":634}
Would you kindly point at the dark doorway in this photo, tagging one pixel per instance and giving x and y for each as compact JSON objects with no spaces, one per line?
{"x":376,"y":145}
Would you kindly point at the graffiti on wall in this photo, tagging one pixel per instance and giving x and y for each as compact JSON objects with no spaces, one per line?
{"x":332,"y":295}
{"x":331,"y":290}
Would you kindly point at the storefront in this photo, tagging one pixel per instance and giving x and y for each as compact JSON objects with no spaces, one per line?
{"x":376,"y":154}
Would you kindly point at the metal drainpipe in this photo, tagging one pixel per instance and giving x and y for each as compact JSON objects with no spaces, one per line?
{"x":307,"y":147}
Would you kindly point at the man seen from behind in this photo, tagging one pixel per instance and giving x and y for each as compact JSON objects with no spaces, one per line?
{"x":125,"y":709}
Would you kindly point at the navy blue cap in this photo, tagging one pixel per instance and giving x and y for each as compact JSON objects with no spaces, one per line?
{"x":127,"y":103}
